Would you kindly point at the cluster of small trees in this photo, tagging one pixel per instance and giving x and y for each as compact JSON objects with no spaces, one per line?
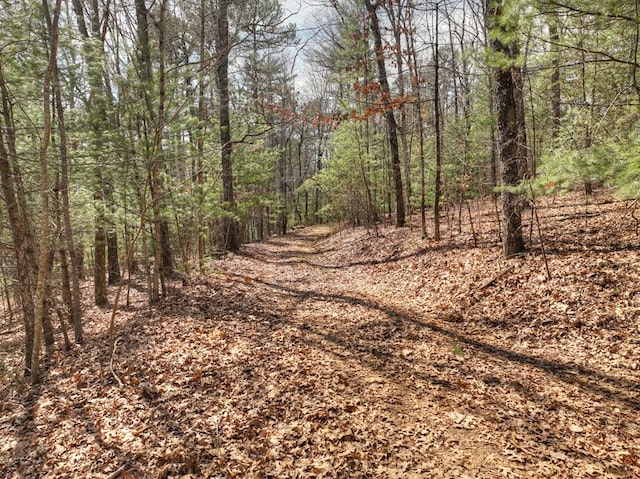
{"x":140,"y":136}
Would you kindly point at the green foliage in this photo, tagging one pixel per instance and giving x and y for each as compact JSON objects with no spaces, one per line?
{"x":570,"y":168}
{"x":352,"y":175}
{"x":255,"y":170}
{"x":615,"y":163}
{"x":625,"y":155}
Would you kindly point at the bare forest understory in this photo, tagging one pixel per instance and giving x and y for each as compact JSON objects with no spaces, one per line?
{"x":328,"y":354}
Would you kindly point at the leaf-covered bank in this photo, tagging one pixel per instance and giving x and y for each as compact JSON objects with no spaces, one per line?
{"x":324,"y":354}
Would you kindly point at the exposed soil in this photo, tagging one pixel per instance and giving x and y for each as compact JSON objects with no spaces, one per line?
{"x":355,"y":355}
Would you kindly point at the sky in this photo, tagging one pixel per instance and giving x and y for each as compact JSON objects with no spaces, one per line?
{"x":306,"y":15}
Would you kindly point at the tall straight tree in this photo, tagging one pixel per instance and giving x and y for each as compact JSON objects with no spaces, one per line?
{"x":414,"y":72}
{"x":230,"y":231}
{"x":396,"y":12}
{"x":19,"y":214}
{"x":554,"y":38}
{"x":45,"y":227}
{"x":437,"y":113}
{"x":154,"y":126}
{"x":97,"y":107}
{"x":506,"y":72}
{"x":392,"y":126}
{"x":74,"y":306}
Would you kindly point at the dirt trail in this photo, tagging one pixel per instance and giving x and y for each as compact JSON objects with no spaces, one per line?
{"x":397,"y":415}
{"x":321,"y":355}
{"x":418,"y":397}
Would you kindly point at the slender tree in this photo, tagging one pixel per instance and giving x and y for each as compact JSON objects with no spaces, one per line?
{"x":390,"y":119}
{"x":554,"y":37}
{"x":437,"y":119}
{"x":74,"y":303}
{"x":230,"y":232}
{"x":45,"y":227}
{"x":20,"y":217}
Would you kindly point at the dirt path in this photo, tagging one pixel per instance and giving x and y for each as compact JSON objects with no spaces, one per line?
{"x":414,"y":396}
{"x":385,"y":409}
{"x":320,"y":355}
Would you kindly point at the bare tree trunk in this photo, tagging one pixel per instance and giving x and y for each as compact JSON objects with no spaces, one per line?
{"x":43,"y":257}
{"x":201,"y":227}
{"x":392,"y":127}
{"x":508,"y":132}
{"x":437,"y":121}
{"x":6,"y":287}
{"x":74,"y":296}
{"x":555,"y":78}
{"x":156,"y":160}
{"x":417,"y":92}
{"x":113,"y":264}
{"x":19,"y":219}
{"x":100,"y":246}
{"x":229,"y":223}
{"x":399,"y":56}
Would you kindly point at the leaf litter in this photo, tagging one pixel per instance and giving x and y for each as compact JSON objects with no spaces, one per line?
{"x":327,"y":354}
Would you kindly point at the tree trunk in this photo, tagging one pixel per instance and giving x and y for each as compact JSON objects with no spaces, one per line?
{"x":113,"y":263}
{"x":417,"y":93}
{"x":73,"y":300}
{"x":113,"y":268}
{"x":438,"y":130}
{"x":230,"y":233}
{"x":165,"y":245}
{"x":100,"y":247}
{"x":94,"y":57}
{"x":507,"y":107}
{"x":555,"y":79}
{"x":403,"y":129}
{"x":156,"y":163}
{"x":201,"y":227}
{"x":43,"y":257}
{"x":19,"y":220}
{"x":392,"y":127}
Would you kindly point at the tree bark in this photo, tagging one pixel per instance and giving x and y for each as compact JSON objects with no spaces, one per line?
{"x":396,"y":21}
{"x":438,"y":130}
{"x":392,"y":127}
{"x":45,"y":228}
{"x":100,"y":246}
{"x":555,"y":79}
{"x":74,"y":299}
{"x":19,"y":220}
{"x":507,"y":107}
{"x":155,"y":164}
{"x":201,"y":227}
{"x":230,"y":233}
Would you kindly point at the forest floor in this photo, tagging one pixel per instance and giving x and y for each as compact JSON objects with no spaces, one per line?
{"x":346,"y":354}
